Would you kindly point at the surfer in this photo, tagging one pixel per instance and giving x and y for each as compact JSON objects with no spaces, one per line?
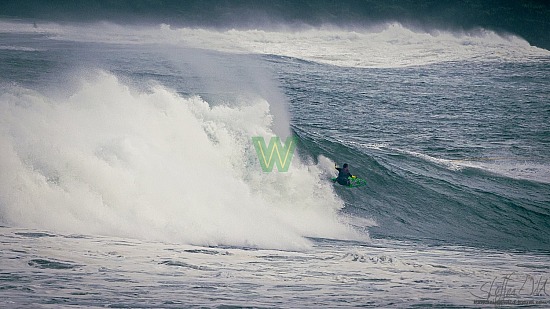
{"x":343,"y":175}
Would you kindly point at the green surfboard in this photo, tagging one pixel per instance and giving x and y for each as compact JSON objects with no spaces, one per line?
{"x":353,"y":182}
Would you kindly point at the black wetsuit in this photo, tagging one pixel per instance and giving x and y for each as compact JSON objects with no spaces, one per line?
{"x":343,"y":176}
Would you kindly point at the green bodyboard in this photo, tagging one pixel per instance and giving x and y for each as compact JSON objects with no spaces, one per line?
{"x":354,"y":182}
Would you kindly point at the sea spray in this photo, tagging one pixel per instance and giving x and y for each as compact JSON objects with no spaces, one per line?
{"x":111,"y":160}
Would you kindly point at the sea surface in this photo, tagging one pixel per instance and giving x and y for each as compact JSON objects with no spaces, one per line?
{"x":128,"y":177}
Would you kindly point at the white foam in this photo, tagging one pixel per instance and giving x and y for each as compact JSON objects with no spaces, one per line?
{"x":505,"y":166}
{"x":449,"y":164}
{"x":153,"y":165}
{"x":510,"y":167}
{"x":390,"y":45}
{"x":19,"y":48}
{"x":326,"y":165}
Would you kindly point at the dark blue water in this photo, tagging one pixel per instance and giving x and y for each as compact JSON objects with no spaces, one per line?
{"x":455,"y":152}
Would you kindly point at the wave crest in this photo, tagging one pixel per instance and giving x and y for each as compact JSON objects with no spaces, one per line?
{"x":153,"y":165}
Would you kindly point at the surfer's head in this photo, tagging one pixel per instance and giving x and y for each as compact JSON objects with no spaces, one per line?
{"x":345,"y":165}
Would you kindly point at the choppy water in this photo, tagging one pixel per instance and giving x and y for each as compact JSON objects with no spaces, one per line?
{"x":50,"y":270}
{"x":129,"y":178}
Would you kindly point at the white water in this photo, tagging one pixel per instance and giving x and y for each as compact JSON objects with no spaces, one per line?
{"x":109,"y":160}
{"x":507,"y":166}
{"x":385,"y":46}
{"x":48,"y":271}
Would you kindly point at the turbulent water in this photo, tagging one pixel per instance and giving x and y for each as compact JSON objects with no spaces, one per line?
{"x":129,"y":178}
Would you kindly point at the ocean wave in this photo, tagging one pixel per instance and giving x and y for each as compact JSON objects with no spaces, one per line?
{"x":110,"y":160}
{"x":524,"y":18}
{"x":386,"y":46}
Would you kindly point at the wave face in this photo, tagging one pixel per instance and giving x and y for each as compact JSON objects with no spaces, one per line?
{"x":527,"y":19}
{"x":453,"y":153}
